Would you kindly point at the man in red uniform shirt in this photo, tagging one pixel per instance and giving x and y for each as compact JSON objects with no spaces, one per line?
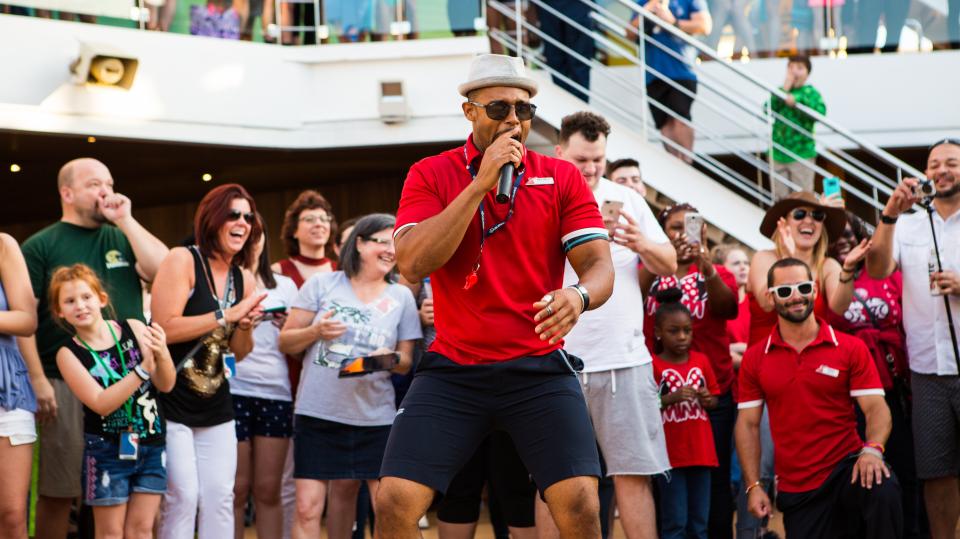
{"x":500,"y":311}
{"x":830,"y":482}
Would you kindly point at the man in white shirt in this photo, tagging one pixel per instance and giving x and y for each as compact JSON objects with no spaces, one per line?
{"x":617,"y":379}
{"x":907,"y":244}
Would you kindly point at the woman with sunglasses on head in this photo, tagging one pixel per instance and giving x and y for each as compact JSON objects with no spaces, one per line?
{"x":709,"y":292}
{"x":800,"y":227}
{"x":208,"y":308}
{"x":263,"y":404}
{"x":341,"y":424}
{"x":876,"y":316}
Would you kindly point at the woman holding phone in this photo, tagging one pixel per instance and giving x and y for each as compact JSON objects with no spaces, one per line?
{"x":262,"y":403}
{"x":709,"y":293}
{"x":341,"y":424}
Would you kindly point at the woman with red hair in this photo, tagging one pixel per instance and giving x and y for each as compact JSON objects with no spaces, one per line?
{"x":206,"y":304}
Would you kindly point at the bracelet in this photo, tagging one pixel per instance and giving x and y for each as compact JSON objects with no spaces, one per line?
{"x":141,"y":372}
{"x":221,"y":318}
{"x":876,"y":445}
{"x":888,"y":220}
{"x":584,"y":295}
{"x":871,"y":451}
{"x":845,"y":281}
{"x":751,"y":487}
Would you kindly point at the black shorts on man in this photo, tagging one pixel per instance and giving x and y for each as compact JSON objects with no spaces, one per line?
{"x":451,"y":408}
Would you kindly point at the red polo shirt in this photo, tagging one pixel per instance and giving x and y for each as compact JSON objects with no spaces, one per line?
{"x":810,"y":397}
{"x":554,"y":211}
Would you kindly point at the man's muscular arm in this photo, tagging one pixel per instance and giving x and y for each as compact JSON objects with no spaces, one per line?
{"x":424,"y":248}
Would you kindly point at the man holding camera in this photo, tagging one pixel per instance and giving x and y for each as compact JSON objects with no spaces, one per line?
{"x":906,"y":241}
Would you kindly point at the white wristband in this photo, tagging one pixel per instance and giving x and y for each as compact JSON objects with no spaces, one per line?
{"x":141,"y":372}
{"x":872,"y":451}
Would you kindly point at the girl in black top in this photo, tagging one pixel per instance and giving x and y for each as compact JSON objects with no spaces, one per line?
{"x":207,"y":306}
{"x":106,"y":365}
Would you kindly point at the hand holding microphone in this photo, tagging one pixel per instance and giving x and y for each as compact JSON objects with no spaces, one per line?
{"x":506,"y":152}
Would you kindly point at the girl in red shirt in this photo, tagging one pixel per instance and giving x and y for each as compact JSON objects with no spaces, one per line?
{"x":687,"y":388}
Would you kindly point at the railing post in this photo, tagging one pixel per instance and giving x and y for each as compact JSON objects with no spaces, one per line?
{"x":140,"y":19}
{"x":769,"y":110}
{"x":642,"y":51}
{"x":518,"y":16}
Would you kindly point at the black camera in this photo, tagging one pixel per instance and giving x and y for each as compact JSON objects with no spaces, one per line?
{"x":924,"y":189}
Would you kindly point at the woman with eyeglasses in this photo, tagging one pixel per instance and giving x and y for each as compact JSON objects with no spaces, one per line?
{"x":341,"y":424}
{"x":800,"y":227}
{"x":208,"y":307}
{"x":875,"y":315}
{"x":309,"y":235}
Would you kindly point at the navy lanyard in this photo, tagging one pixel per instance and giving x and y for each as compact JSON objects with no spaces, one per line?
{"x":484,"y":231}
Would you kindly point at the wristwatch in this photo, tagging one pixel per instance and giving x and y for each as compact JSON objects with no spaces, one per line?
{"x":584,"y":295}
{"x":221,"y":319}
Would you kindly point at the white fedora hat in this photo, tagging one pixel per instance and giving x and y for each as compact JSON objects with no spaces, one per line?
{"x":497,"y":70}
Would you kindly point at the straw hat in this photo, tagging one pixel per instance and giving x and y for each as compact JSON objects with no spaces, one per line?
{"x":497,"y":70}
{"x":833,"y":225}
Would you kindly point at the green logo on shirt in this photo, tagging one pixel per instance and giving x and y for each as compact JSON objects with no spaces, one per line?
{"x":114,"y":259}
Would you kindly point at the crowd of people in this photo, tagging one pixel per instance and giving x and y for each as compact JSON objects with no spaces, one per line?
{"x":570,"y":352}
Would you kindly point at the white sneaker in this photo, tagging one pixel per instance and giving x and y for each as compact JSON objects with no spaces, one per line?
{"x":424,"y":522}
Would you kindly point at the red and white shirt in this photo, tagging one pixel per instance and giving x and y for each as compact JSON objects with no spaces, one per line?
{"x":810,"y":396}
{"x":686,"y":424}
{"x":554,"y":211}
{"x":709,"y":332}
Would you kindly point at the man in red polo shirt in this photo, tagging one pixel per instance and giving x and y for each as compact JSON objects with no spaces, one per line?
{"x":500,"y":312}
{"x":830,"y":482}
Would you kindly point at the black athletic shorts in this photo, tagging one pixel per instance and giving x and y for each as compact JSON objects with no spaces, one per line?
{"x":451,"y":408}
{"x":670,"y":97}
{"x":496,"y":463}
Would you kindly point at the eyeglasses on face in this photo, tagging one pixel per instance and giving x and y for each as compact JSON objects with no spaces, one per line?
{"x":498,"y":110}
{"x":379,"y":241}
{"x":314,"y":219}
{"x":784,"y":291}
{"x":234,"y":215}
{"x":817,"y":215}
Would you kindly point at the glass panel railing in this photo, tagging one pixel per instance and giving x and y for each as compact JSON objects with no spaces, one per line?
{"x":743,"y":29}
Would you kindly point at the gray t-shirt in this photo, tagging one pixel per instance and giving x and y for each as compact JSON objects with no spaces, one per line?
{"x":366,"y":400}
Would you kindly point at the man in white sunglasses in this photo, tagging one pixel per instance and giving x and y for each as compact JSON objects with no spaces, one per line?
{"x":831,"y":482}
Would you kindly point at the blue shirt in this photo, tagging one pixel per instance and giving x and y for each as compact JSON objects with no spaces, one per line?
{"x":660,"y":60}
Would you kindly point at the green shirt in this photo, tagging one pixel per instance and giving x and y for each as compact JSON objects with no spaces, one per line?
{"x":106,"y":250}
{"x":785,"y":134}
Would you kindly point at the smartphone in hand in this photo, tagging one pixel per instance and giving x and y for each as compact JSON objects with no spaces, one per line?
{"x":831,"y":187}
{"x":610,"y":211}
{"x":368,"y":364}
{"x":693,"y":227}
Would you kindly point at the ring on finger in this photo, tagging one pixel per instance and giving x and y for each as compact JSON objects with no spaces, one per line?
{"x":549,"y":310}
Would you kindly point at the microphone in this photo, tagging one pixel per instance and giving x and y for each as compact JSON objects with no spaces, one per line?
{"x":506,"y":181}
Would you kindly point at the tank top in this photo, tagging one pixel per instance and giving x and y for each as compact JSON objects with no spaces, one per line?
{"x":145,"y":417}
{"x":16,"y":391}
{"x":201,"y":396}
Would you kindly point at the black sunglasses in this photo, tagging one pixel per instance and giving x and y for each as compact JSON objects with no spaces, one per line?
{"x":498,"y":110}
{"x":817,"y":215}
{"x":784,"y":291}
{"x":233,"y":215}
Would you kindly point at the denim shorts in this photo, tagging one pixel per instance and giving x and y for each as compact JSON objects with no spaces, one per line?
{"x":107,"y":480}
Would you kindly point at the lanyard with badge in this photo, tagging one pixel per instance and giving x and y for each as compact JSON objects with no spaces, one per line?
{"x":229,"y":359}
{"x":485,"y":232}
{"x":129,"y":440}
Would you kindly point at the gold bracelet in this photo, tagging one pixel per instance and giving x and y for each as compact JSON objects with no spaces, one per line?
{"x":751,"y":487}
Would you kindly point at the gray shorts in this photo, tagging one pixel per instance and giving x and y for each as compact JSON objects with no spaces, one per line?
{"x":61,"y":446}
{"x":936,"y":433}
{"x":625,"y":411}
